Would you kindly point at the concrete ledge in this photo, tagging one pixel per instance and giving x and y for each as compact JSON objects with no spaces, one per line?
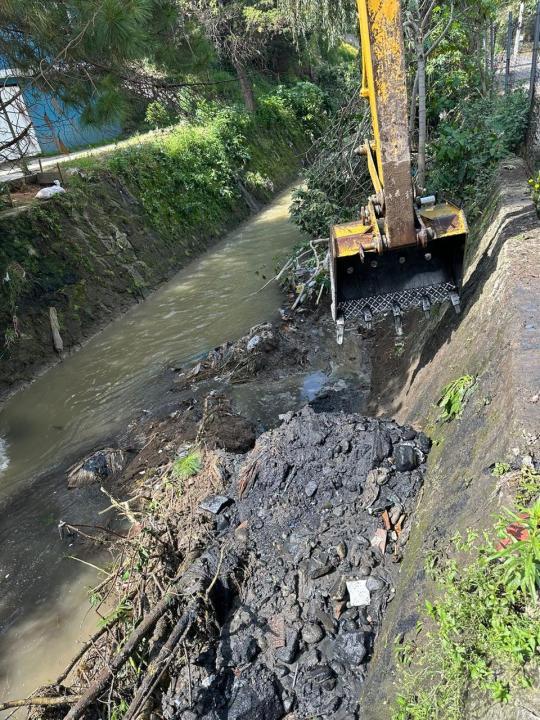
{"x":496,"y":339}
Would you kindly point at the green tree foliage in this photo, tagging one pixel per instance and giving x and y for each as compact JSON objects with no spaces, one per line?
{"x":90,"y":53}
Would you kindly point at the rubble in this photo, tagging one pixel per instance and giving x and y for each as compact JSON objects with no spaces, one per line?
{"x":299,"y":632}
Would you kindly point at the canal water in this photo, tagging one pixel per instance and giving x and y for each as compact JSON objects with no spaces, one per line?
{"x":81,"y":403}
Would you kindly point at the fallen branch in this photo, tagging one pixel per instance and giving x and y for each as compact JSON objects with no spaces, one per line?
{"x":129,"y":647}
{"x":156,"y":669}
{"x":40,"y":701}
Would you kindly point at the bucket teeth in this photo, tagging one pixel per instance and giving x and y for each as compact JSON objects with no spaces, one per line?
{"x":456,"y":302}
{"x":426,"y":305}
{"x":368,"y":317}
{"x":398,"y":325}
{"x":340,"y":329}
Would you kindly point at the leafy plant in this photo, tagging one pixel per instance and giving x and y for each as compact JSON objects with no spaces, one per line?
{"x":521,"y":555}
{"x":122,"y":611}
{"x":485,"y":632}
{"x":471,"y":140}
{"x":187,"y":466}
{"x":534,"y":182}
{"x":500,"y":469}
{"x":157,"y":115}
{"x":454,"y":396}
{"x":529,"y":485}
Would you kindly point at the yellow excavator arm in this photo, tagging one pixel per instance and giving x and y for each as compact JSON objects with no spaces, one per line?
{"x":404,"y":251}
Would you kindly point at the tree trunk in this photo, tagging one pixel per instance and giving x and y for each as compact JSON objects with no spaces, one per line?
{"x":246,"y":87}
{"x":422,"y":118}
{"x":412,"y":112}
{"x":519,"y":30}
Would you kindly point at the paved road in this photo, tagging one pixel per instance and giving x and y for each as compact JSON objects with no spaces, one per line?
{"x":10,"y":171}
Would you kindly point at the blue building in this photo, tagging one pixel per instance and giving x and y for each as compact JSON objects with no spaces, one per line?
{"x":49,"y":126}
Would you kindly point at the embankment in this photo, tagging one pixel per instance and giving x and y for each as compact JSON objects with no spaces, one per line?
{"x":496,"y":340}
{"x":130,"y":221}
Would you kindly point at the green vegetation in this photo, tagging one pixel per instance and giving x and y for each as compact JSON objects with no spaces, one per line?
{"x":454,"y":397}
{"x":500,"y":469}
{"x":187,"y":466}
{"x":484,"y":633}
{"x":470,"y":142}
{"x":528,"y":485}
{"x":190,"y":181}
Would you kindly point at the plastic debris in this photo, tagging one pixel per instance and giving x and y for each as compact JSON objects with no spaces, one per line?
{"x":49,"y":192}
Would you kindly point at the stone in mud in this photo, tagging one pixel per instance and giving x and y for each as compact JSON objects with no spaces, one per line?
{"x":288,"y":653}
{"x":312,"y":633}
{"x":215,"y":503}
{"x":349,"y":648}
{"x":382,"y":446}
{"x":106,"y":464}
{"x":255,"y":695}
{"x":311,"y":488}
{"x":405,"y":457}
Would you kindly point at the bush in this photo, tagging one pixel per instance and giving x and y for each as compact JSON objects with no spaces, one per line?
{"x":486,"y":623}
{"x":337,"y":180}
{"x":308,"y":103}
{"x":157,"y":115}
{"x":471,"y":142}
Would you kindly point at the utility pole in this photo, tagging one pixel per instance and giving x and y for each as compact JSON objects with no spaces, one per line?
{"x":508,"y":54}
{"x":519,"y":29}
{"x":534,"y":63}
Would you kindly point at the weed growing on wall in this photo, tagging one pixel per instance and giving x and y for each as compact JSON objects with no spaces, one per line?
{"x":454,"y":397}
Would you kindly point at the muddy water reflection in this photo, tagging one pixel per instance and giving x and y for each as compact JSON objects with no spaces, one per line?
{"x":78,"y":405}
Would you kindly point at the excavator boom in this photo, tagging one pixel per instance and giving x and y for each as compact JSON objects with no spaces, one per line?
{"x":405,"y":251}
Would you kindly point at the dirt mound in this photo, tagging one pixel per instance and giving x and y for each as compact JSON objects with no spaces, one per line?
{"x":324,"y":502}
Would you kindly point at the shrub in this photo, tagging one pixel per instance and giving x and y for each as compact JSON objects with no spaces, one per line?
{"x":157,"y":115}
{"x":187,"y":466}
{"x":486,"y":624}
{"x":472,"y":140}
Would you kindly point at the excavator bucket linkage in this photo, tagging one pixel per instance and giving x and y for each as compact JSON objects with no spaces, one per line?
{"x":404,"y":251}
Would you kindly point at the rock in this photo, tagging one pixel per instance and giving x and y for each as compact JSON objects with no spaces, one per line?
{"x":288,"y":653}
{"x":312,"y":633}
{"x":349,"y":647}
{"x":379,"y":540}
{"x":382,"y":446}
{"x":358,"y":593}
{"x":311,"y":488}
{"x":374,"y":583}
{"x":423,"y":442}
{"x":106,"y":464}
{"x":215,"y":503}
{"x":255,"y":695}
{"x":338,"y":590}
{"x":405,"y":457}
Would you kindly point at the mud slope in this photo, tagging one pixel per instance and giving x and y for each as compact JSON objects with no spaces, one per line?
{"x":496,"y":339}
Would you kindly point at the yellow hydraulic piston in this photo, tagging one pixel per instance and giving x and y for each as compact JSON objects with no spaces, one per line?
{"x":391,"y":260}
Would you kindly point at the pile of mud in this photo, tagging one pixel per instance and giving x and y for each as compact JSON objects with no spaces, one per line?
{"x":310,"y":527}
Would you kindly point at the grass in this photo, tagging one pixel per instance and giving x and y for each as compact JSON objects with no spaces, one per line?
{"x":187,"y":466}
{"x":454,"y":397}
{"x":484,"y":632}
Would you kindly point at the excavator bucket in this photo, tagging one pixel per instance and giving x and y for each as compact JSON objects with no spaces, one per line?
{"x":405,"y":251}
{"x":367,"y":285}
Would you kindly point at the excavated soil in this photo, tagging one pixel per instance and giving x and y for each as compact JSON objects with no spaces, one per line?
{"x":316,"y":516}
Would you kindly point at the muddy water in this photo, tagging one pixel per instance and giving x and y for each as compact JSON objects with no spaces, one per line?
{"x":77,"y":406}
